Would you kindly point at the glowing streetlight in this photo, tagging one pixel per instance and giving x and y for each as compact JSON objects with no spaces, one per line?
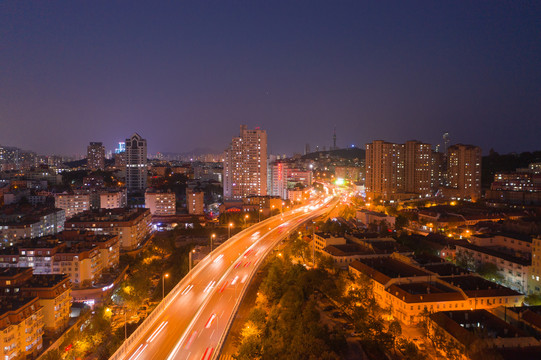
{"x":229,"y":230}
{"x":246,"y":218}
{"x":259,"y":214}
{"x":190,"y":259}
{"x":166,"y":275}
{"x":212,"y":237}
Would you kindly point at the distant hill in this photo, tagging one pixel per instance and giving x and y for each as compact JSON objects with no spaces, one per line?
{"x":347,"y":153}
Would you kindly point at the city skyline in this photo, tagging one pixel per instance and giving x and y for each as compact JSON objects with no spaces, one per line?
{"x":76,"y":73}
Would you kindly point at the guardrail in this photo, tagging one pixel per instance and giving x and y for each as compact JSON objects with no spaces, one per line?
{"x":135,"y":337}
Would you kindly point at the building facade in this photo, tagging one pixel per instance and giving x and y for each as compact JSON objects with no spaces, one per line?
{"x":195,"y":201}
{"x":464,"y":171}
{"x":245,"y":165}
{"x":95,"y":156}
{"x":132,"y":226}
{"x":136,"y":163}
{"x":161,"y":203}
{"x":72,"y":204}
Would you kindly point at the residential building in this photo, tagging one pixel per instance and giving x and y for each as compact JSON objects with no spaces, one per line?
{"x":384,"y":170}
{"x":195,"y":201}
{"x":72,"y":203}
{"x":511,"y":253}
{"x":417,"y":168}
{"x":396,"y":171}
{"x":131,"y":225}
{"x":523,"y":188}
{"x":408,"y":291}
{"x":322,"y":240}
{"x":464,"y":172}
{"x":478,"y":334}
{"x":113,"y":199}
{"x":283,"y":178}
{"x":160,"y":202}
{"x":245,"y":165}
{"x":95,"y":156}
{"x":25,"y":222}
{"x":534,"y":282}
{"x":136,"y":163}
{"x":53,"y":292}
{"x":21,"y":327}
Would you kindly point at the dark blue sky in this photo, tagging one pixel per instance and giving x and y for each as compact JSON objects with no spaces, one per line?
{"x":186,"y":74}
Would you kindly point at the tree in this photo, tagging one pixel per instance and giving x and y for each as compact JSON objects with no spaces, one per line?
{"x":395,"y":330}
{"x":400,"y":222}
{"x":490,"y":271}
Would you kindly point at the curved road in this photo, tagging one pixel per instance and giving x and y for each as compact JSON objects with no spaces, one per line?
{"x":193,"y":324}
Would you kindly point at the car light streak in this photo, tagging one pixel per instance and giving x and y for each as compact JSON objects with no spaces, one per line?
{"x":209,"y":322}
{"x":186,"y":290}
{"x":218,"y":258}
{"x":244,"y":279}
{"x":235,"y":280}
{"x":190,"y":340}
{"x":209,"y":286}
{"x":208,"y":353}
{"x":224,"y":286}
{"x":157,"y":331}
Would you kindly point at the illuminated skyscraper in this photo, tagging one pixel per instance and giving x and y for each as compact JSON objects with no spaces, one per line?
{"x":96,"y":156}
{"x":245,"y":165}
{"x":136,"y":163}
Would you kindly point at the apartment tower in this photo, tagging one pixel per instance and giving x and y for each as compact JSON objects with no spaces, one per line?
{"x":95,"y":156}
{"x":245,"y":165}
{"x":464,"y":170}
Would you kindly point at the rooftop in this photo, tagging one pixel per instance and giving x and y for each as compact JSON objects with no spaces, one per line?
{"x":382,"y":269}
{"x":476,"y":286}
{"x":445,"y":269}
{"x":492,"y":251}
{"x":108,"y":215}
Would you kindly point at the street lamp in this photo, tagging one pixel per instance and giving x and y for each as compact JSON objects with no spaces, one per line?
{"x":211,"y":241}
{"x":190,"y":259}
{"x":245,"y":218}
{"x":166,"y":275}
{"x":229,"y":230}
{"x":259,"y":214}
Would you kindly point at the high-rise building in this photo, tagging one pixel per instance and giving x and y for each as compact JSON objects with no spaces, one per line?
{"x":245,"y":165}
{"x":464,"y":171}
{"x":95,"y":156}
{"x":396,"y":171}
{"x":136,"y":163}
{"x":384,"y":169}
{"x":418,"y":167}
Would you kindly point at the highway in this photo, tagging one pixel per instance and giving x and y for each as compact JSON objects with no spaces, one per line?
{"x":197,"y":317}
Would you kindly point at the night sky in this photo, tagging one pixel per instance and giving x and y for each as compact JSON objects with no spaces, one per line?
{"x":186,"y":74}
